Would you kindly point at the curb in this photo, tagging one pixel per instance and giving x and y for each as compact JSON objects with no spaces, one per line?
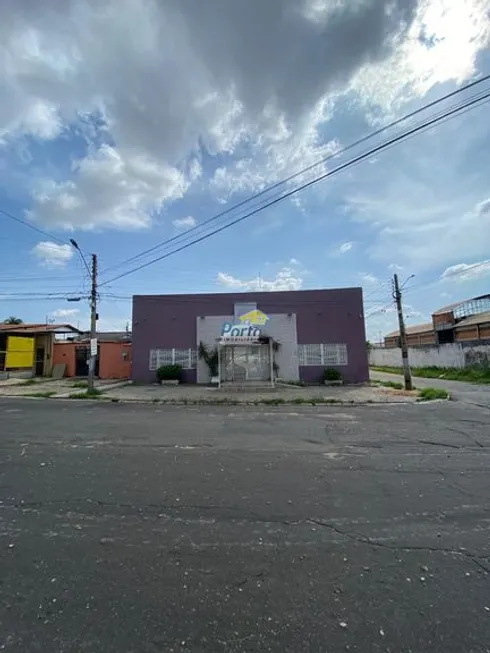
{"x":204,"y":402}
{"x":271,"y":404}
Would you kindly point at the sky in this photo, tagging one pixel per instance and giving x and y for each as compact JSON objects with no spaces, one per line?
{"x":127,"y":123}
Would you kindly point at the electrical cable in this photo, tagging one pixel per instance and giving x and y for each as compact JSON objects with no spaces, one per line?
{"x":322,"y":161}
{"x":439,"y":117}
{"x":403,"y":136}
{"x":33,"y":227}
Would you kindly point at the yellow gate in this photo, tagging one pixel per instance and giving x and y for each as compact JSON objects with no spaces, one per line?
{"x":20,"y":353}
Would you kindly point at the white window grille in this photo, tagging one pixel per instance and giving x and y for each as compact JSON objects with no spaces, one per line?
{"x":310,"y":355}
{"x":187,"y":358}
{"x":323,"y":354}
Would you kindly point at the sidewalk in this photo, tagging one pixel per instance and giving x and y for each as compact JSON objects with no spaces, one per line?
{"x":192,"y":394}
{"x":470,"y":393}
{"x":56,"y":388}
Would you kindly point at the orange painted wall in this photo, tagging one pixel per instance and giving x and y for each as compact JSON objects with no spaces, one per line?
{"x":115,"y":359}
{"x":64,"y":352}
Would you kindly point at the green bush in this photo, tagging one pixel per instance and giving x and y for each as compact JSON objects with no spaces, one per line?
{"x":169,"y":373}
{"x":429,"y":394}
{"x":389,"y":384}
{"x":331,"y":374}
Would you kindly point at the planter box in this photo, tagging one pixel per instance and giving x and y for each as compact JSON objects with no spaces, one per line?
{"x":169,"y":382}
{"x":337,"y":382}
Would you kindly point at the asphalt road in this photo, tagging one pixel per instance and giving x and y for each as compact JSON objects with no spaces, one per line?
{"x":477,"y":394}
{"x":140,"y":529}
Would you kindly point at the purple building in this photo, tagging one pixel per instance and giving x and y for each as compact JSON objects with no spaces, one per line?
{"x":293,"y":335}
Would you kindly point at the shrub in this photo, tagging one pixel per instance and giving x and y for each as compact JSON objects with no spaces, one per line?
{"x":429,"y":394}
{"x":331,"y":374}
{"x":80,"y":384}
{"x":169,"y":373}
{"x":210,"y":357}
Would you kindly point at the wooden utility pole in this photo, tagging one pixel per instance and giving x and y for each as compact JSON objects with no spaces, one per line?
{"x":93,"y":325}
{"x":403,"y":334}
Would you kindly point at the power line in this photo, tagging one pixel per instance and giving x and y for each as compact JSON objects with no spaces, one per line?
{"x":458,"y":273}
{"x":382,"y":309}
{"x":38,"y":278}
{"x":44,"y":299}
{"x":403,"y":136}
{"x":423,"y":126}
{"x":322,"y":161}
{"x":31,"y":226}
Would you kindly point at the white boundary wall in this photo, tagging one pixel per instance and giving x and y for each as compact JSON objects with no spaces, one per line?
{"x":454,"y":355}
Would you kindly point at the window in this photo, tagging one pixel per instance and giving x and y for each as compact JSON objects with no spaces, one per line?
{"x":187,"y":358}
{"x":323,"y":354}
{"x":310,"y":355}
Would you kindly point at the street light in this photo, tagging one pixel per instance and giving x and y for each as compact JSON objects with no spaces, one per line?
{"x":406,"y":281}
{"x":93,"y":313}
{"x":75,"y":245}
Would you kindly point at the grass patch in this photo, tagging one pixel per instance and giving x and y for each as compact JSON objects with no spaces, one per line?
{"x":44,"y":395}
{"x":389,"y":384}
{"x":95,"y":394}
{"x":429,"y":394}
{"x":80,"y":384}
{"x":28,"y":382}
{"x":470,"y":374}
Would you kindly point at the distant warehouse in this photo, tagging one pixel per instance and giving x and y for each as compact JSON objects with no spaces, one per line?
{"x":294,"y":335}
{"x":467,"y":321}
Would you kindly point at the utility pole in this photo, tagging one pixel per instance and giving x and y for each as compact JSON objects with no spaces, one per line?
{"x":403,"y":334}
{"x":92,"y":272}
{"x":93,"y":325}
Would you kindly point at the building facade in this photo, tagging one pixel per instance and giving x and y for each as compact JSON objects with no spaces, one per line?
{"x":467,"y":321}
{"x":113,"y":357}
{"x":310,"y":330}
{"x":28,"y":348}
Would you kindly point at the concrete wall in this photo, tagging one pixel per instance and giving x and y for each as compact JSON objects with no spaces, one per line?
{"x":114,"y":362}
{"x":453,"y":355}
{"x":64,"y":354}
{"x":280,"y":327}
{"x":322,"y":316}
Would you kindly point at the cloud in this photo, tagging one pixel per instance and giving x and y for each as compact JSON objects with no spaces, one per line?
{"x":113,"y":188}
{"x":466,"y":271}
{"x":184,"y":223}
{"x":442,"y":44}
{"x":52,"y":255}
{"x":286,"y":279}
{"x":167,"y":81}
{"x":369,"y":279}
{"x":345,"y":247}
{"x":443,"y":217}
{"x":65,"y":312}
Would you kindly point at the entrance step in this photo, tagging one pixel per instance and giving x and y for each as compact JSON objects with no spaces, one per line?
{"x":247,"y":387}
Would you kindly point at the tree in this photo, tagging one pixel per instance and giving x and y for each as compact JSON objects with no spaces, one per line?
{"x":13,"y":320}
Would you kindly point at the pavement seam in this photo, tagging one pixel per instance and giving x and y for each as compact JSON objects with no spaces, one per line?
{"x":364,"y":539}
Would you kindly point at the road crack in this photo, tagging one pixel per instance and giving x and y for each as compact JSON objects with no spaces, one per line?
{"x":364,"y":539}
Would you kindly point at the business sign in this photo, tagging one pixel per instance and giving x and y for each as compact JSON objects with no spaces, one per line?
{"x":245,"y":331}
